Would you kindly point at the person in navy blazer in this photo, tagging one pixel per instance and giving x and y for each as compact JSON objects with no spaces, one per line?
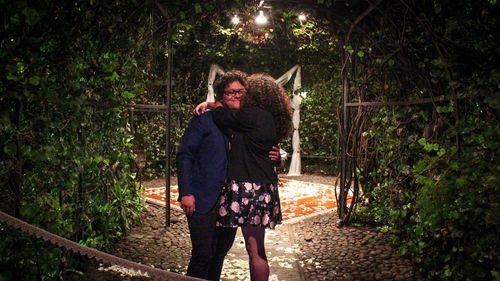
{"x":201,"y":171}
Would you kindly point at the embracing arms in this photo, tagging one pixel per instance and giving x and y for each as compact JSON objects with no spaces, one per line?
{"x":202,"y":107}
{"x":274,"y":153}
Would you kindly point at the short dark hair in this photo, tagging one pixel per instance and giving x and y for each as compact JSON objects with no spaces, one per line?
{"x":226,"y":79}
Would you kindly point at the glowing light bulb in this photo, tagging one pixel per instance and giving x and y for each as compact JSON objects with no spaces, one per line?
{"x":261,"y":19}
{"x":235,"y":20}
{"x":302,"y":17}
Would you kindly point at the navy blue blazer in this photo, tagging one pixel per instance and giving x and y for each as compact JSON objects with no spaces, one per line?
{"x":202,"y":162}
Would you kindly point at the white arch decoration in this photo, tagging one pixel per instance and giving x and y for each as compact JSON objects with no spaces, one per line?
{"x":214,"y":70}
{"x":295,"y":165}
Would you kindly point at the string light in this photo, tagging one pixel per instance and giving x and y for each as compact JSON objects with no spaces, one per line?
{"x":235,"y":20}
{"x":261,"y":19}
{"x":302,"y":17}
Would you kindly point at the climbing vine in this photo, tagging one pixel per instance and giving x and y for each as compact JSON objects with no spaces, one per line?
{"x":426,"y":171}
{"x":68,"y":71}
{"x":419,"y":149}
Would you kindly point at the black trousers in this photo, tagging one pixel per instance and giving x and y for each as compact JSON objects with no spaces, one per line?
{"x":210,"y":245}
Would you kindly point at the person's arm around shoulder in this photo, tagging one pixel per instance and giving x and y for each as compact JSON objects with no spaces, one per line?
{"x":202,"y":107}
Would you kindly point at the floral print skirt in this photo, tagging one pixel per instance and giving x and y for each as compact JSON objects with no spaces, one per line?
{"x":249,"y":204}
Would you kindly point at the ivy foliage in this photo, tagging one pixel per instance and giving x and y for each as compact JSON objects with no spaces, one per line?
{"x":431,"y":169}
{"x":68,"y":71}
{"x":67,"y":137}
{"x":202,"y":34}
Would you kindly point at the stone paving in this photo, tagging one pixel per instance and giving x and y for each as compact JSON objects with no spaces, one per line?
{"x":308,"y":249}
{"x":347,"y":253}
{"x":281,"y":252}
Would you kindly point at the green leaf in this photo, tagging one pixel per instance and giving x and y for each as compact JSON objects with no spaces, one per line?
{"x":428,"y":147}
{"x":98,"y":159}
{"x":31,"y":15}
{"x":425,"y":181}
{"x":461,"y":181}
{"x":197,"y":8}
{"x":34,"y":80}
{"x":12,"y":77}
{"x":385,"y":229}
{"x":360,"y":53}
{"x":419,"y":230}
{"x":447,"y":273}
{"x":420,"y":166}
{"x":403,"y":250}
{"x":495,"y":274}
{"x":128,"y":95}
{"x":10,"y":149}
{"x":113,"y":76}
{"x":14,"y":19}
{"x":20,"y":67}
{"x":438,"y":62}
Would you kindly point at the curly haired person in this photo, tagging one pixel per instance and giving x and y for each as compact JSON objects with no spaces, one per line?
{"x":250,"y":198}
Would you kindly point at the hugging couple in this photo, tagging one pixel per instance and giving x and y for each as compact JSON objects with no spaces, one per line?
{"x":226,"y":171}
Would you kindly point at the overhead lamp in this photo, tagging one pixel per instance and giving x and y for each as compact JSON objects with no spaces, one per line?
{"x":302,"y":17}
{"x":261,"y":19}
{"x":235,"y":20}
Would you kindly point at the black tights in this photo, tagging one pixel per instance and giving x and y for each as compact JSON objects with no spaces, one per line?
{"x":254,"y":242}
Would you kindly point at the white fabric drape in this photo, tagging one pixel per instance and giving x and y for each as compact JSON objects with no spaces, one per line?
{"x":295,"y":165}
{"x":297,"y":82}
{"x":214,"y":70}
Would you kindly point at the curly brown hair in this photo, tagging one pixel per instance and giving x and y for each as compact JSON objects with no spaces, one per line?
{"x":264,"y":92}
{"x":227,"y":78}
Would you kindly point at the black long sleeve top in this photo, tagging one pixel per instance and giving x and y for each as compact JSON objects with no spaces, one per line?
{"x":253,"y":136}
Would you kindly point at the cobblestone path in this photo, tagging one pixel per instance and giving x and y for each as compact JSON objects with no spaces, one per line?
{"x":308,"y":249}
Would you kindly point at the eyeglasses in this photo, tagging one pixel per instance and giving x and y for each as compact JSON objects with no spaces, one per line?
{"x":234,"y":92}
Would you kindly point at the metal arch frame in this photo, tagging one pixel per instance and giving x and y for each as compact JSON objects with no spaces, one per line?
{"x":165,"y":108}
{"x":346,"y":147}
